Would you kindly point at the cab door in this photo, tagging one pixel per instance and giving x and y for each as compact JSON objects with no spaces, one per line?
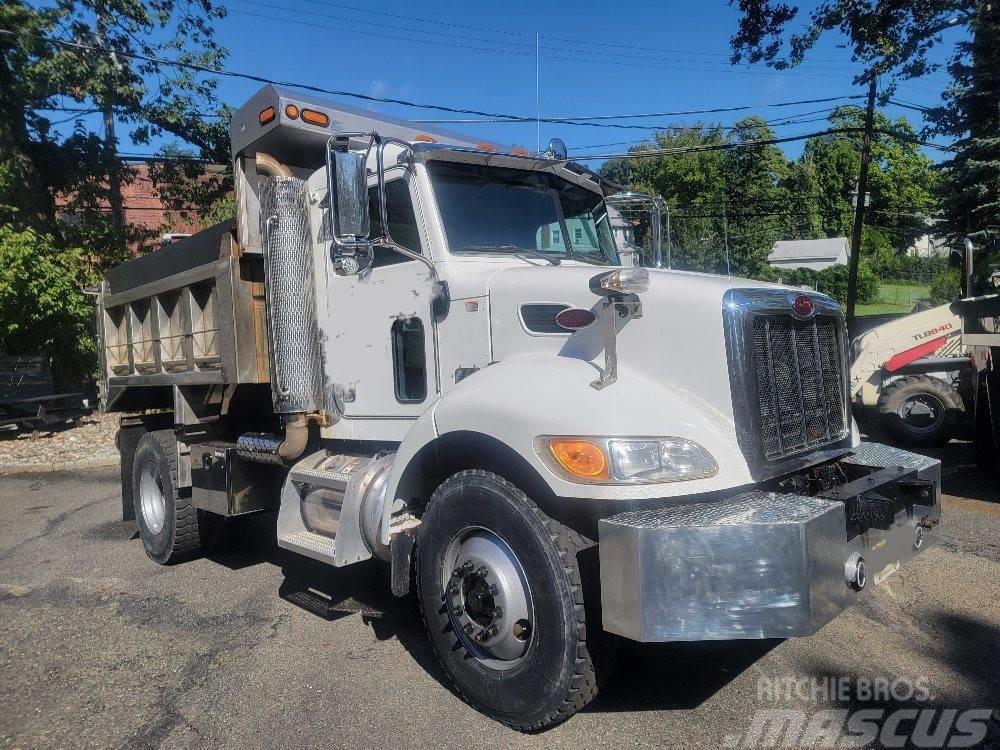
{"x":380,"y":346}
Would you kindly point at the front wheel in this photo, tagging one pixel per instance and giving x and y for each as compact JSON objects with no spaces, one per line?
{"x":500,"y":590}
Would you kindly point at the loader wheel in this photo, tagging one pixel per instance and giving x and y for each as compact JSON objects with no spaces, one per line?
{"x":170,"y":527}
{"x":500,"y":591}
{"x":920,"y":411}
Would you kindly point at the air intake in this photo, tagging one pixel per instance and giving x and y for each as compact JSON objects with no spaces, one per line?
{"x":290,"y":296}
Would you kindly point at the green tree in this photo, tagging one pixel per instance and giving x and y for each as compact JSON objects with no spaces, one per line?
{"x":716,"y":195}
{"x":756,"y":200}
{"x":970,"y":113}
{"x":901,"y":179}
{"x":891,"y":40}
{"x":42,"y":304}
{"x":151,"y":100}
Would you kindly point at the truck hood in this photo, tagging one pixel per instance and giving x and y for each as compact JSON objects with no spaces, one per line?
{"x":678,"y":339}
{"x":673,"y":366}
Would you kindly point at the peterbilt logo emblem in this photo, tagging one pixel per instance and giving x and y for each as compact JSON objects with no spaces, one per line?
{"x":803,"y":306}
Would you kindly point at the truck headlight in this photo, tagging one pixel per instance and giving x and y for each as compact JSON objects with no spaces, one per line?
{"x":606,"y":460}
{"x":662,"y":460}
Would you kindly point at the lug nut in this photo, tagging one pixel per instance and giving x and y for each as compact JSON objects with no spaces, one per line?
{"x":463,"y":570}
{"x":521,"y":630}
{"x":483,"y":571}
{"x":453,"y":589}
{"x":458,"y":611}
{"x":494,"y":590}
{"x":497,"y":612}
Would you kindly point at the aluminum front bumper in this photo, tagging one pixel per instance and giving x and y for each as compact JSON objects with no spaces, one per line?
{"x":760,"y":564}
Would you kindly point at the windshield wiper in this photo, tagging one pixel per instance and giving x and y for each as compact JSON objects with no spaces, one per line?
{"x":592,"y":261}
{"x":518,"y":252}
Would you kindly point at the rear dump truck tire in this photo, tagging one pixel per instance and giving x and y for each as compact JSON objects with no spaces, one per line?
{"x":500,"y":590}
{"x":920,"y":411}
{"x":172,"y":529}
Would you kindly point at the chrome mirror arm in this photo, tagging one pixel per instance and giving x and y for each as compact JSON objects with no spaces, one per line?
{"x":386,"y":237}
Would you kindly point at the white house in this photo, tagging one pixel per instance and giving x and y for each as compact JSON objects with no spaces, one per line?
{"x":813,"y":254}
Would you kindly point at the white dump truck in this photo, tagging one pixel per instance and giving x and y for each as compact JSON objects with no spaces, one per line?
{"x":420,"y":347}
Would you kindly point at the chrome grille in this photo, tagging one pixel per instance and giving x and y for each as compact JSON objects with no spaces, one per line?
{"x":799,"y":383}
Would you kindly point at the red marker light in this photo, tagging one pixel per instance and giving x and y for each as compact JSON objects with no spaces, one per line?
{"x":803,"y":306}
{"x":575,"y":318}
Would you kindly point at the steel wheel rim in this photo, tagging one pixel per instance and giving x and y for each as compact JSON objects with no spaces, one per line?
{"x":925,"y":404}
{"x":152,"y":502}
{"x":487,"y":598}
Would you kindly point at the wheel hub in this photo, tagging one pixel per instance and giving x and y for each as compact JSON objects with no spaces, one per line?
{"x":921,"y":412}
{"x":488,"y":601}
{"x":151,"y":500}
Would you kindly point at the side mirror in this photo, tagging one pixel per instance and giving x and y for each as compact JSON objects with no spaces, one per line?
{"x":347,"y":183}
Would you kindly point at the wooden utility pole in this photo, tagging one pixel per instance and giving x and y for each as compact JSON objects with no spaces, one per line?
{"x":110,"y":141}
{"x":859,"y":204}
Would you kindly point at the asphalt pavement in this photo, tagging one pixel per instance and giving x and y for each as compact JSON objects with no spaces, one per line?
{"x":100,"y":647}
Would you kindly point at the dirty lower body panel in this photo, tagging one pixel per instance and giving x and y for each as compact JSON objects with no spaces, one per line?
{"x":767,"y":564}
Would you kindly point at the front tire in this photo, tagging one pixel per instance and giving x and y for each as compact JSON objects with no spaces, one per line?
{"x":500,"y":591}
{"x":172,"y":529}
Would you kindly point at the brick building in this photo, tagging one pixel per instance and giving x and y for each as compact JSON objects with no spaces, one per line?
{"x":143,"y":208}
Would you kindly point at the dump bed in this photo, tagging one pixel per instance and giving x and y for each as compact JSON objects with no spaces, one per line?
{"x":189,"y":314}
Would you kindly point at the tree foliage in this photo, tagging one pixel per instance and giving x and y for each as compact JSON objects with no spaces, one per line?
{"x":892,"y":40}
{"x":970,"y":113}
{"x":42,"y":304}
{"x":751,"y":196}
{"x":150,"y":100}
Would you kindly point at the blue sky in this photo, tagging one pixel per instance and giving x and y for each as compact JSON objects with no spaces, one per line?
{"x":593,"y":59}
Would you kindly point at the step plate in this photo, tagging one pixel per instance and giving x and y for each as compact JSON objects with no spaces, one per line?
{"x":311,"y":545}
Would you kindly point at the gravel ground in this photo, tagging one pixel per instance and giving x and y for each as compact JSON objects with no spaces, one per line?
{"x":99,"y":647}
{"x":88,"y":442}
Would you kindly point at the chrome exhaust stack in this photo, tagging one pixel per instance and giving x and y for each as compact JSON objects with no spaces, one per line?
{"x":296,"y":357}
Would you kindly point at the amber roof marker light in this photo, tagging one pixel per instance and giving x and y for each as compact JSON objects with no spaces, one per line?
{"x":266,"y":115}
{"x":315,"y":118}
{"x":291,"y":111}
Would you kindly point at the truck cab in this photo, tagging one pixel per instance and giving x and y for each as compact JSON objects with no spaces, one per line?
{"x":420,"y":347}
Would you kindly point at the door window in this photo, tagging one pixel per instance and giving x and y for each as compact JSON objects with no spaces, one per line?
{"x":402,"y":222}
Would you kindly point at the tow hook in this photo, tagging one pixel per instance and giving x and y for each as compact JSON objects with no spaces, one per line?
{"x":855,"y":572}
{"x":927,"y":522}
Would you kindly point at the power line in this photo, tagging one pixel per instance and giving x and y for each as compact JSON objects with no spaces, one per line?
{"x":646,"y":153}
{"x":642,"y":115}
{"x":590,"y":43}
{"x":369,"y":97}
{"x":730,"y":69}
{"x":259,"y":78}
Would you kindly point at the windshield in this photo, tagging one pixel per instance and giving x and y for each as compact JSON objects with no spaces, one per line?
{"x":498,"y":210}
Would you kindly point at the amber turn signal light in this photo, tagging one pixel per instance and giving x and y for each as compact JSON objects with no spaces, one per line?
{"x":266,"y":115}
{"x":315,"y":118}
{"x":291,"y":111}
{"x":581,"y":458}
